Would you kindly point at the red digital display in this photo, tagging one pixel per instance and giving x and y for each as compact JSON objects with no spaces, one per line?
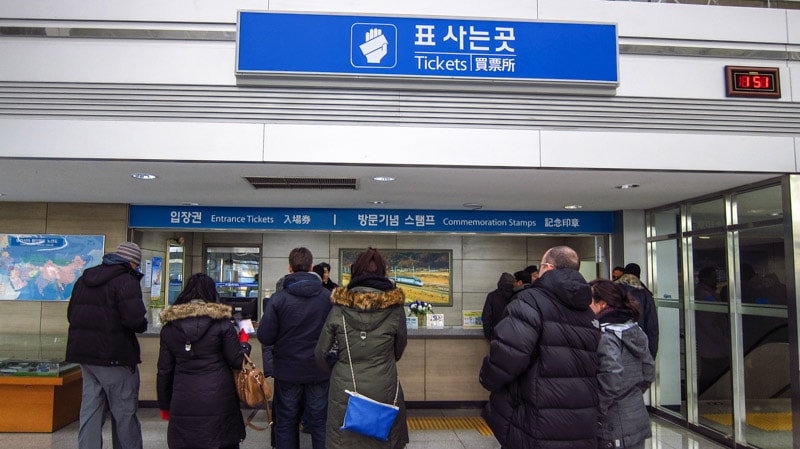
{"x":752,"y":82}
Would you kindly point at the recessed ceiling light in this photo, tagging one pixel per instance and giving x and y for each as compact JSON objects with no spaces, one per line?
{"x":383,"y":178}
{"x":377,"y":202}
{"x":573,"y":206}
{"x":143,"y":176}
{"x":703,"y":237}
{"x":189,"y":203}
{"x":473,"y":206}
{"x":627,"y":186}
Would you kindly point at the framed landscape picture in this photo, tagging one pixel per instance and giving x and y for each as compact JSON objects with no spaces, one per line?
{"x":423,"y":275}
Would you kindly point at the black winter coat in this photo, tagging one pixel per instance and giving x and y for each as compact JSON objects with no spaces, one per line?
{"x":291,"y":325}
{"x":541,"y":369}
{"x":105,"y":313}
{"x":648,"y":319}
{"x":496,"y":302}
{"x":378,"y":316}
{"x":199,"y":350}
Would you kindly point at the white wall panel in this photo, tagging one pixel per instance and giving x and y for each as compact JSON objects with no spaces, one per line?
{"x":634,"y":240}
{"x":793,"y":74}
{"x":793,"y":25}
{"x":117,"y":61}
{"x":401,"y":145}
{"x":676,"y":77}
{"x":797,"y":154}
{"x":674,"y":21}
{"x":74,"y":139}
{"x":134,"y":10}
{"x":505,"y":9}
{"x":668,"y":151}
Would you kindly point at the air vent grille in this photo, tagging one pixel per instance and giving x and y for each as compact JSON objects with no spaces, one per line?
{"x":261,"y":182}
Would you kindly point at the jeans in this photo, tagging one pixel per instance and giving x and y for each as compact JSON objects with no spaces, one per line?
{"x":290,"y":400}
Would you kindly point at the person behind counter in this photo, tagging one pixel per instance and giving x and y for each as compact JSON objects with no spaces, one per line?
{"x":323,"y":269}
{"x":199,"y":349}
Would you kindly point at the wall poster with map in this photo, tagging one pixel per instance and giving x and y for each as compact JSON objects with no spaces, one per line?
{"x":45,"y":267}
{"x":423,"y":275}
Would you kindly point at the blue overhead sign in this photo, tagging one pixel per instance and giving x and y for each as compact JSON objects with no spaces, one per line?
{"x":269,"y":219}
{"x":315,"y":44}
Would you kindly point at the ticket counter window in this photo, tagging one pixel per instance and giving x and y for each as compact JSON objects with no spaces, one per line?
{"x":235,"y":270}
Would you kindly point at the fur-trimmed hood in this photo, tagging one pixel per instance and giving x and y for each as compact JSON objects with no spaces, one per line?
{"x":195,"y":318}
{"x":197,"y":309}
{"x":630,"y":280}
{"x":367,"y":298}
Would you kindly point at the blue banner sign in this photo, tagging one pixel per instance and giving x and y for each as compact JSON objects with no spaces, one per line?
{"x":281,"y":43}
{"x":269,"y":219}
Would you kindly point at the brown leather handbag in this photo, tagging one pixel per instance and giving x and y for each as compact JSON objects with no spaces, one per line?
{"x":253,"y":390}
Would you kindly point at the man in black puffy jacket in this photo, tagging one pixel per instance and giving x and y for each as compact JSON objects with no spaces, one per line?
{"x":105,"y":313}
{"x":292,"y":324}
{"x":541,"y":368}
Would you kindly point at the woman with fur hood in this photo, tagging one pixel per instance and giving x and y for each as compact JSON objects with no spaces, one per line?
{"x":199,"y":349}
{"x":372,"y":308}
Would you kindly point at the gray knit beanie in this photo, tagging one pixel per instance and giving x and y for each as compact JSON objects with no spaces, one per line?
{"x":130,"y":252}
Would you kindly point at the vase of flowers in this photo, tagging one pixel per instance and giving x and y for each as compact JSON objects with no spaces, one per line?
{"x":419,"y":309}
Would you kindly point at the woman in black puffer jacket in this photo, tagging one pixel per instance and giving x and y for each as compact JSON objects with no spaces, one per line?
{"x":199,"y":348}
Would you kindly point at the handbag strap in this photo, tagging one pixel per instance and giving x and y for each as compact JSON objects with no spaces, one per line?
{"x":247,"y":364}
{"x":350,"y":361}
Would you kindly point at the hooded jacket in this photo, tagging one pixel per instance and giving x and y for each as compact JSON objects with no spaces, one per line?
{"x":541,"y":368}
{"x":291,"y":325}
{"x":496,"y":302}
{"x":648,"y":320}
{"x":626,"y":371}
{"x":199,"y":350}
{"x":377,"y":336}
{"x":105,"y":312}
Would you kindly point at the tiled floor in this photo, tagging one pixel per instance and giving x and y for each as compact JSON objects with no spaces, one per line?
{"x":665,"y":436}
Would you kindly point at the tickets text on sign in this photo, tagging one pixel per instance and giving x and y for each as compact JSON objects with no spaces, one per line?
{"x":464,"y":49}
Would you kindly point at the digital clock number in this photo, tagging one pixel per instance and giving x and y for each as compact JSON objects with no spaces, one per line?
{"x":752,"y":82}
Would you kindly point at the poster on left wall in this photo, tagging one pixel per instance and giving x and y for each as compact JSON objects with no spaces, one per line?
{"x":44,"y":267}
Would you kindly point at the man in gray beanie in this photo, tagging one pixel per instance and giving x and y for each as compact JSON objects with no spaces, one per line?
{"x":105,"y":313}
